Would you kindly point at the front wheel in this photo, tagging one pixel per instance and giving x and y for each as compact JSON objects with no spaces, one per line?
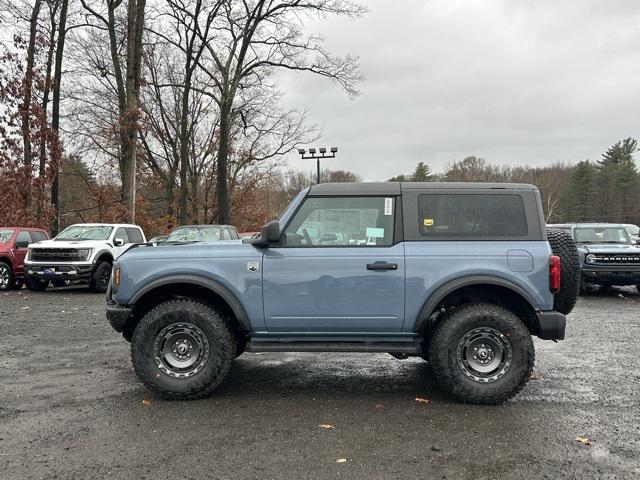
{"x":6,"y":277}
{"x":183,"y":349}
{"x":36,"y":284}
{"x":481,"y":353}
{"x":100,"y":278}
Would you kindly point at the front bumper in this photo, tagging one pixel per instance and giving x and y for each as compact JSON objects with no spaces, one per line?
{"x":117,"y":315}
{"x":612,"y":274}
{"x":551,"y":325}
{"x":58,"y":271}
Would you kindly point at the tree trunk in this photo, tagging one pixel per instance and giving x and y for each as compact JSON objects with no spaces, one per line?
{"x":56,"y":148}
{"x":27,"y":88}
{"x":222,"y":189}
{"x":184,"y":145}
{"x":129,"y":121}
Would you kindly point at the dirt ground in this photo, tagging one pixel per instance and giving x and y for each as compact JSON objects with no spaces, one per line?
{"x":72,"y":408}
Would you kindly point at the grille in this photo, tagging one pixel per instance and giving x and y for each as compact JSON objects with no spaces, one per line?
{"x":619,"y":259}
{"x":54,"y":255}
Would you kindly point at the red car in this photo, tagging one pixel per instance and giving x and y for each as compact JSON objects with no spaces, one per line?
{"x":13,"y":248}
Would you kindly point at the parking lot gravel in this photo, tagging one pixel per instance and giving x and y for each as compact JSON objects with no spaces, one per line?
{"x":72,"y":408}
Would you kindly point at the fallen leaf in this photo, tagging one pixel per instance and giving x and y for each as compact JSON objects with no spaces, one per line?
{"x":379,"y":406}
{"x":326,"y":426}
{"x":146,"y":402}
{"x":583,"y":440}
{"x":341,"y":460}
{"x":422,"y":400}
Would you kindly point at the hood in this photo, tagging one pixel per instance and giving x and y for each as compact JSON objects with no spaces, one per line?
{"x":71,"y":244}
{"x":610,"y":248}
{"x":221,"y":248}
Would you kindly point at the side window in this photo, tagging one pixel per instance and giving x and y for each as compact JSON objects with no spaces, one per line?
{"x":23,"y":238}
{"x":38,"y":236}
{"x":462,"y":216}
{"x":134,"y":235}
{"x":342,"y":222}
{"x":121,"y":233}
{"x":226,"y":235}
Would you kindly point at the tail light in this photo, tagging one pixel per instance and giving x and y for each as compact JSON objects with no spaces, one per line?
{"x":554,"y":273}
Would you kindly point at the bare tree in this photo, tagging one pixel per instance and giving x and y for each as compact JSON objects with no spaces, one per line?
{"x":127,"y":86}
{"x":254,"y":38}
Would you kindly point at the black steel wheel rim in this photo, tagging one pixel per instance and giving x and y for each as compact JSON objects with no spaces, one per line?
{"x":484,"y":354}
{"x":181,"y":350}
{"x":104,"y":276}
{"x":5,"y":278}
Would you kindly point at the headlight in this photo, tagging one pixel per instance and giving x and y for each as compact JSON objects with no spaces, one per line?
{"x":591,"y":258}
{"x":84,"y":254}
{"x":28,"y":255}
{"x":116,"y":276}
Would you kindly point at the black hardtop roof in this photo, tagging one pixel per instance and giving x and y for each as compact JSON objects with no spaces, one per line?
{"x":395,"y":188}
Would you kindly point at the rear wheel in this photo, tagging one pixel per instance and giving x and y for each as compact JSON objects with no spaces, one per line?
{"x":36,"y":284}
{"x":183,"y":349}
{"x":481,"y":353}
{"x":6,"y":277}
{"x":563,"y":246}
{"x":100,"y":278}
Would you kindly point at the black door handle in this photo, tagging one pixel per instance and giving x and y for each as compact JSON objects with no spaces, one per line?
{"x":382,"y":266}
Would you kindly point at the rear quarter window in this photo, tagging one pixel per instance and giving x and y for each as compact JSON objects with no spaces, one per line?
{"x":471,"y":216}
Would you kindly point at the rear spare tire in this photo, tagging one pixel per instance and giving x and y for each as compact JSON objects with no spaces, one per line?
{"x":564,"y":247}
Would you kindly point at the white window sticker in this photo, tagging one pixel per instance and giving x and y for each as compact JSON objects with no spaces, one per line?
{"x":375,"y":232}
{"x":388,"y":206}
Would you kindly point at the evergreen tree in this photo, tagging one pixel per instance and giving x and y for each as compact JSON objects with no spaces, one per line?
{"x":618,"y":182}
{"x":422,"y":173}
{"x":580,"y":197}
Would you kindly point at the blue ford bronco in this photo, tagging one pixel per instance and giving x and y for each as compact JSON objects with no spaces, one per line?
{"x":460,"y":274}
{"x":608,"y":255}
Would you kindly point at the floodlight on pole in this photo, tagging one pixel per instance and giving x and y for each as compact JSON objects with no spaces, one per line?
{"x":312,"y":155}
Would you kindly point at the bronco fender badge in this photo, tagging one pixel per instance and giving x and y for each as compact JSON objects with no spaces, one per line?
{"x":253,"y":266}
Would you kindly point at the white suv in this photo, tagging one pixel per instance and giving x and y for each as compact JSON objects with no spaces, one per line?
{"x":83,"y":252}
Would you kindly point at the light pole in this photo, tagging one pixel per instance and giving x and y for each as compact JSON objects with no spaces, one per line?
{"x":312,"y":156}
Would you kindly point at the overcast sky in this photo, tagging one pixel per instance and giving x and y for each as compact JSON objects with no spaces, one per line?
{"x":512,"y":81}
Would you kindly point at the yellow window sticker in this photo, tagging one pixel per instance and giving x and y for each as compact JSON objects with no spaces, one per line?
{"x":428,"y":222}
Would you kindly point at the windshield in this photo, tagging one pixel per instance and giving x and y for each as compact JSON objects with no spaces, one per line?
{"x":85,"y":232}
{"x":194,"y":234}
{"x":5,"y":235}
{"x":633,"y":230}
{"x":602,"y":235}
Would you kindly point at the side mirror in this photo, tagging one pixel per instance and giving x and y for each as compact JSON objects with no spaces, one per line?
{"x":270,"y":233}
{"x":118,"y":242}
{"x":22,"y":244}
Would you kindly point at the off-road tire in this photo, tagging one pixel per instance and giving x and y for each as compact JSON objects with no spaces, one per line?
{"x":564,"y":247}
{"x":444,"y":353}
{"x":638,"y":287}
{"x":584,"y":286}
{"x":100,"y":278}
{"x":37,"y":285}
{"x":6,"y":275}
{"x":222,"y":346}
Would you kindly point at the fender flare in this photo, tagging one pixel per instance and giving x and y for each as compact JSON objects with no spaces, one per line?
{"x":200,"y":281}
{"x":442,"y":291}
{"x":105,"y":252}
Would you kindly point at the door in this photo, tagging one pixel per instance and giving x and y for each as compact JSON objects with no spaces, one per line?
{"x":22,"y":242}
{"x":121,"y":234}
{"x":337,"y":270}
